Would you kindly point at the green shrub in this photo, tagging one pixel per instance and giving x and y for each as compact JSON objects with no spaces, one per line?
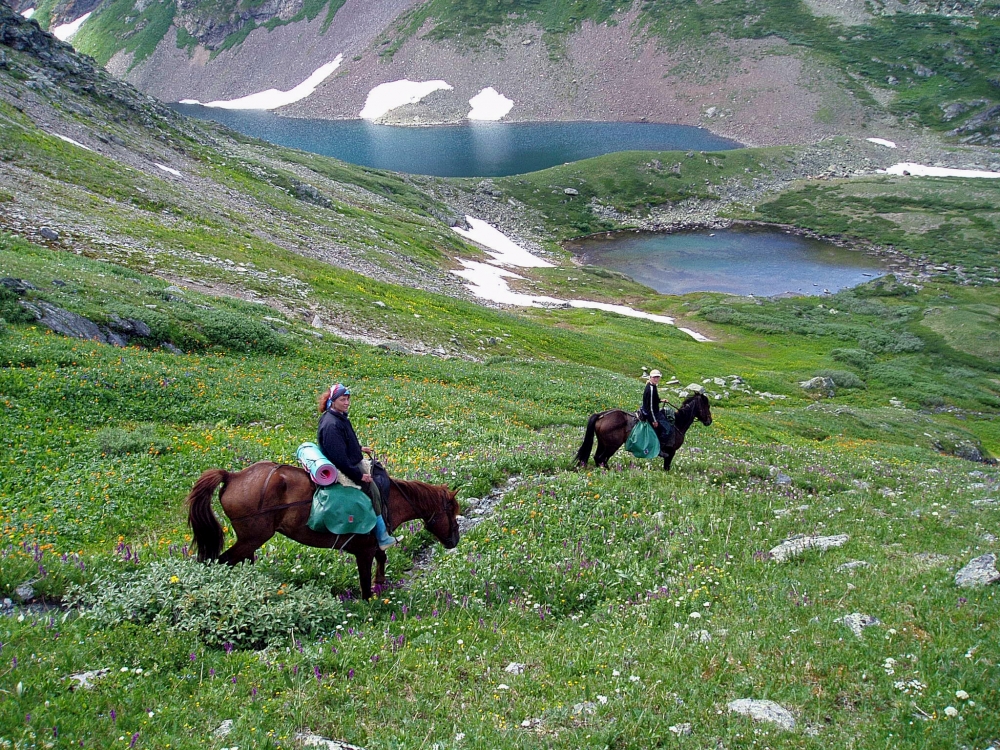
{"x":240,"y":333}
{"x":10,"y":310}
{"x":859,"y":358}
{"x":890,"y":342}
{"x":884,"y":286}
{"x":842,"y":378}
{"x":118,"y":441}
{"x":240,"y":605}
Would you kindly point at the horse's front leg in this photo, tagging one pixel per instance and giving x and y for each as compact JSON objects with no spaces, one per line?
{"x":668,"y":457}
{"x":365,"y":572}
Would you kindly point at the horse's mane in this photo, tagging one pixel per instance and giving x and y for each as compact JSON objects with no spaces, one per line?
{"x":422,"y":492}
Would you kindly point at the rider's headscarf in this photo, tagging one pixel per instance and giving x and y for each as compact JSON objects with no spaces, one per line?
{"x":336,"y":391}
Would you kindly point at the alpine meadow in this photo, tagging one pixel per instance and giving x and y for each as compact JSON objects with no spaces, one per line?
{"x":817,"y":569}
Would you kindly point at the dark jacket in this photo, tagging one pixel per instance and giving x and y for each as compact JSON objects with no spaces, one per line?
{"x":650,"y":403}
{"x":340,"y":444}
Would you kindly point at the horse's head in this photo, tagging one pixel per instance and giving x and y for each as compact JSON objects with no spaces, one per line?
{"x":702,"y":408}
{"x":444,"y":522}
{"x":435,"y":504}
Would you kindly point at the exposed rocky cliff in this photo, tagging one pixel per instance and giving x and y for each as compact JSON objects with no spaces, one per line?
{"x":759,"y":88}
{"x":755,"y":91}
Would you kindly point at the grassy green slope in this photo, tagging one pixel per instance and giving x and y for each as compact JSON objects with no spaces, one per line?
{"x":117,"y":26}
{"x":613,"y":589}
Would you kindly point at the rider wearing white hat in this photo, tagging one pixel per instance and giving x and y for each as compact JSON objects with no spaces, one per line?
{"x":650,"y":409}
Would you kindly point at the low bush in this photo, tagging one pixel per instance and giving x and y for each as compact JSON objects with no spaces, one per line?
{"x":10,"y":310}
{"x":240,"y":333}
{"x":860,"y":358}
{"x":238,"y":607}
{"x":842,"y":378}
{"x":890,"y":342}
{"x":118,"y":441}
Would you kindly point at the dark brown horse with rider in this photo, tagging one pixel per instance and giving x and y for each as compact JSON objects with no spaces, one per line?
{"x":612,"y":429}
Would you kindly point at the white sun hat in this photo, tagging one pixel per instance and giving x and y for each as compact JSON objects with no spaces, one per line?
{"x":655,"y":374}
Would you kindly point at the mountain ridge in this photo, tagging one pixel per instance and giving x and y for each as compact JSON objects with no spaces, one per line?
{"x":790,"y":73}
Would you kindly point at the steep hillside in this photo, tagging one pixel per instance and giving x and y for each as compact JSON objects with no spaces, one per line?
{"x":789,"y":72}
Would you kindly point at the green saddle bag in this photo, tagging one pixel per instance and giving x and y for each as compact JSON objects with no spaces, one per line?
{"x":642,"y":441}
{"x":341,"y":510}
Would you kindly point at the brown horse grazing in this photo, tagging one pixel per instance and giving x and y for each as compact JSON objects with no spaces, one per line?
{"x":612,"y":428}
{"x":266,"y":498}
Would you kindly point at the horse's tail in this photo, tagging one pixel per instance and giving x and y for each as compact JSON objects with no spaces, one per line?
{"x":208,"y":535}
{"x":583,"y":455}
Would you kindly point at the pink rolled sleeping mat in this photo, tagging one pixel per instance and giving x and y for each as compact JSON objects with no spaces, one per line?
{"x":319,"y":467}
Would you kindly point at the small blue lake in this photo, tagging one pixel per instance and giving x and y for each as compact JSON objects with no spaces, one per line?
{"x":484,"y":149}
{"x":759,"y":261}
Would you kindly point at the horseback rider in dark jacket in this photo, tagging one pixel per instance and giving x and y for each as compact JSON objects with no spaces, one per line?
{"x":339,"y":443}
{"x":651,"y":411}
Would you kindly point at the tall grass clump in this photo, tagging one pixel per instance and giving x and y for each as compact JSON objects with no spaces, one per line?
{"x":119,"y":441}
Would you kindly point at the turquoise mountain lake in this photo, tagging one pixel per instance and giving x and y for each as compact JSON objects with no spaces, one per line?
{"x":759,"y":261}
{"x":487,"y":149}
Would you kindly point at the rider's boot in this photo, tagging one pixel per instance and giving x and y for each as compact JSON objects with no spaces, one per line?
{"x":382,"y":534}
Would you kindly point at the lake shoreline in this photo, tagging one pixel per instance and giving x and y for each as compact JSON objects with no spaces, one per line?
{"x":897,"y":263}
